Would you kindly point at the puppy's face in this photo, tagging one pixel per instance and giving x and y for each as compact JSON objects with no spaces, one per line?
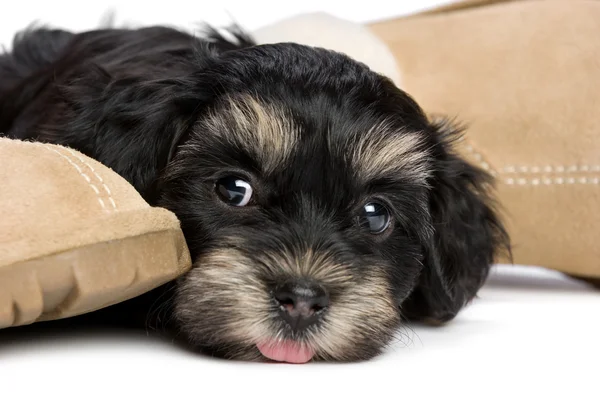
{"x":310,"y":206}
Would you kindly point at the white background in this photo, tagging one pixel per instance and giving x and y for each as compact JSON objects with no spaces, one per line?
{"x":531,"y":333}
{"x":251,"y":14}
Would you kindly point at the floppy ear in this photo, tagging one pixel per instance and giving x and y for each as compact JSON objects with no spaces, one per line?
{"x":468,"y":235}
{"x":131,"y":124}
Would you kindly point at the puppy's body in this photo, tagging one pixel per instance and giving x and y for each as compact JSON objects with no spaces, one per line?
{"x":319,"y":203}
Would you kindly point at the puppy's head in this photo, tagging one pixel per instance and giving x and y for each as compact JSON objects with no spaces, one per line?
{"x":320,"y":206}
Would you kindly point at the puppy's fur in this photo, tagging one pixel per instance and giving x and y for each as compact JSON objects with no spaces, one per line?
{"x":316,"y":134}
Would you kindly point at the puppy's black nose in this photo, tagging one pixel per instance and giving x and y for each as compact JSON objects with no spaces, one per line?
{"x":301,"y":303}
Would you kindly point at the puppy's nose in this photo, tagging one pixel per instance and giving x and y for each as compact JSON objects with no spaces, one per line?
{"x":301,"y":303}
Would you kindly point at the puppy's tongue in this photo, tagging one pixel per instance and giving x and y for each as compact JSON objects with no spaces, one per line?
{"x":286,"y":351}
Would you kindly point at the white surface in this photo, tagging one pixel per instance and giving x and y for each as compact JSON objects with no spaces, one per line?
{"x":532,"y":333}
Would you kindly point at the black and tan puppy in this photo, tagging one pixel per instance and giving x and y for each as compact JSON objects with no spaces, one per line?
{"x":319,"y":203}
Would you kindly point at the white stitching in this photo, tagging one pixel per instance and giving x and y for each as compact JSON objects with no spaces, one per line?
{"x":558,"y":169}
{"x":78,"y":169}
{"x":479,"y":158}
{"x":110,"y":198}
{"x":549,"y":169}
{"x":548,"y":181}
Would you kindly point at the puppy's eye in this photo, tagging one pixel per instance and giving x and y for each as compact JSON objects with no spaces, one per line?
{"x":375,"y":217}
{"x":234,"y":191}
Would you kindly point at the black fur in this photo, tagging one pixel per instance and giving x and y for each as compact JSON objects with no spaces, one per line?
{"x":139,"y":100}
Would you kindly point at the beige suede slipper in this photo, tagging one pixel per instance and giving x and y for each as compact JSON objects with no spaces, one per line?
{"x":75,"y":236}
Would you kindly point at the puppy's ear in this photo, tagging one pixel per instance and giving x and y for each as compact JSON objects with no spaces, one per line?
{"x":131,"y":124}
{"x":468,"y":234}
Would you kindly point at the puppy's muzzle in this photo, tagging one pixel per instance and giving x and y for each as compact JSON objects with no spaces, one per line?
{"x":302,"y":303}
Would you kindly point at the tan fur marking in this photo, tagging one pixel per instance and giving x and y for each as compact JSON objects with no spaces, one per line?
{"x":264,"y":130}
{"x":307,"y":264}
{"x":357,"y":316}
{"x":375,"y":154}
{"x":226,"y":279}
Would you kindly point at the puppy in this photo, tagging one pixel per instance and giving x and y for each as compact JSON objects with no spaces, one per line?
{"x":320,"y":205}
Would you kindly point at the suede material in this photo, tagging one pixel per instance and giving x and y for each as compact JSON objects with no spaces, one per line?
{"x":75,"y":236}
{"x":523,"y":77}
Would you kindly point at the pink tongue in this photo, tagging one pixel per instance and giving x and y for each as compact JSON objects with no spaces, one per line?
{"x":286,"y":351}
